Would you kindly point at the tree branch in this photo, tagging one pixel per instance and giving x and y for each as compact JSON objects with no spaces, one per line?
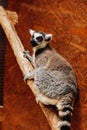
{"x":25,"y":66}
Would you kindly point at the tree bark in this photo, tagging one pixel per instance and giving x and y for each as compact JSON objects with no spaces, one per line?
{"x":7,"y":19}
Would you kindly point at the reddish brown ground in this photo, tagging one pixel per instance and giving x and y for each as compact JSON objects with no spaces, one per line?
{"x":67,"y":21}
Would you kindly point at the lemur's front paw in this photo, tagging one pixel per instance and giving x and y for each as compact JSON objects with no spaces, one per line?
{"x":25,"y":78}
{"x":27,"y":56}
{"x":26,"y":53}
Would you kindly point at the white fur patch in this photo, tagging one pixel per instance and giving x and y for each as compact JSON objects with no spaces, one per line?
{"x":31,"y":32}
{"x":37,"y":35}
{"x":48,"y":36}
{"x":62,"y":123}
{"x":61,"y":113}
{"x":45,"y":100}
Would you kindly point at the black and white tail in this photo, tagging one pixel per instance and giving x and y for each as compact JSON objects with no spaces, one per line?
{"x":65,"y":109}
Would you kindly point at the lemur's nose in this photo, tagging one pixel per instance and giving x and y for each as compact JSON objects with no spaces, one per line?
{"x":33,"y":42}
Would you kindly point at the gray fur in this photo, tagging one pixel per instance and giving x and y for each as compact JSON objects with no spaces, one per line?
{"x":53,"y":76}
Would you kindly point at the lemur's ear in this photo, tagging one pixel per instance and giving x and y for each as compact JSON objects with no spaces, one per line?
{"x":31,"y":32}
{"x":48,"y":37}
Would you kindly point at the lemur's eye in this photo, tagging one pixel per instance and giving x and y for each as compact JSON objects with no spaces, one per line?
{"x":39,"y":39}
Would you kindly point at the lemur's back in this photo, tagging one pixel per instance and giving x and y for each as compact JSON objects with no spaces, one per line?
{"x":54,"y":78}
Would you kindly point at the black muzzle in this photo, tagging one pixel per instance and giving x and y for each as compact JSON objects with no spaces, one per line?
{"x":33,"y":43}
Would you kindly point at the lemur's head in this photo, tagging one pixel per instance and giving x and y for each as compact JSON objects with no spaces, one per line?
{"x":39,"y":39}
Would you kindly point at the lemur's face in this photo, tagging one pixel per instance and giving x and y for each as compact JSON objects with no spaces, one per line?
{"x":39,"y":39}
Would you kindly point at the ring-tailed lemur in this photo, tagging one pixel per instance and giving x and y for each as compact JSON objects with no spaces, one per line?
{"x":54,"y":79}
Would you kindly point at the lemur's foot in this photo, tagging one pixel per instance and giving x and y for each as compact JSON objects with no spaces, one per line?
{"x":28,"y":75}
{"x":37,"y":99}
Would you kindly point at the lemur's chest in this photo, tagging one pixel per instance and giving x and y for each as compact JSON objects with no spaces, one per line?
{"x":42,"y":58}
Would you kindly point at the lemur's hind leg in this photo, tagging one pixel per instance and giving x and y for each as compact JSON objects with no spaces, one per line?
{"x":27,"y":56}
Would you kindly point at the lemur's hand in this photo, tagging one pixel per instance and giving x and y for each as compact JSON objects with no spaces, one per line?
{"x":26,"y":54}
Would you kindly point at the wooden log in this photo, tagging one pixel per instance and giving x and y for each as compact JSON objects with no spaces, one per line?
{"x":24,"y":65}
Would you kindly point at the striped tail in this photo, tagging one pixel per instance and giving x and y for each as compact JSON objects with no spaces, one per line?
{"x":65,"y":113}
